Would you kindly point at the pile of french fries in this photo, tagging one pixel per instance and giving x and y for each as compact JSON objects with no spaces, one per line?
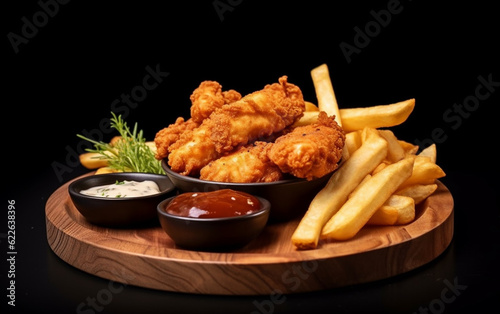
{"x":381,"y":178}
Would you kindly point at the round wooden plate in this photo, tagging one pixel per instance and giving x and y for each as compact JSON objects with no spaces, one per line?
{"x":147,"y":257}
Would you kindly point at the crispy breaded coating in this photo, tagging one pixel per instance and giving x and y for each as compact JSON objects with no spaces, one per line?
{"x":171,"y":134}
{"x":246,"y":164}
{"x":257,"y":115}
{"x":254,"y":116}
{"x":310,"y":151}
{"x":208,"y":97}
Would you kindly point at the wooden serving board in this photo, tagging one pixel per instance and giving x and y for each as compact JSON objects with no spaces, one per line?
{"x":147,"y":257}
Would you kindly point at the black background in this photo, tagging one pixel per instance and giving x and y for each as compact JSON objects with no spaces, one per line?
{"x":64,"y":79}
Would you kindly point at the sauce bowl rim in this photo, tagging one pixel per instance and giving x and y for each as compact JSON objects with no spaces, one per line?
{"x":265,"y":208}
{"x":74,"y":190}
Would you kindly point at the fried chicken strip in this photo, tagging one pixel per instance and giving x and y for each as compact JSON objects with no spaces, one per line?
{"x":255,"y":116}
{"x":248,"y":163}
{"x":207,"y":97}
{"x":171,"y":134}
{"x":310,"y":151}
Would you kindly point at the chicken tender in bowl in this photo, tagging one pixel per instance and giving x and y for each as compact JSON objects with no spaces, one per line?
{"x":247,"y":164}
{"x":310,"y":151}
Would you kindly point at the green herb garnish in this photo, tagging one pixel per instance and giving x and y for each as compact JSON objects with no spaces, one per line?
{"x":131,"y":153}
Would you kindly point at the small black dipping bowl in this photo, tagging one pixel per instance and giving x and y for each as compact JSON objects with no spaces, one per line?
{"x":119,"y":212}
{"x":213,"y":234}
{"x":289,"y":198}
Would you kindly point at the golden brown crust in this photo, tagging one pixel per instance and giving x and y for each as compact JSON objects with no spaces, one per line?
{"x":310,"y":151}
{"x":255,"y":116}
{"x":291,"y":101}
{"x":171,"y":134}
{"x":205,"y":99}
{"x":246,"y":164}
{"x":208,"y":97}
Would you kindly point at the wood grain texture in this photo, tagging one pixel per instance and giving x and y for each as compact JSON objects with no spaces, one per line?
{"x":147,"y":257}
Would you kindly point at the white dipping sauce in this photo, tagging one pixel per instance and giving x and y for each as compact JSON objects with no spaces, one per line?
{"x":122,"y":189}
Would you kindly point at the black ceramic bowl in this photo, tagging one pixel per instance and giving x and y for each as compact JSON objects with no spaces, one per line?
{"x":289,"y":198}
{"x":119,"y":212}
{"x":213,"y":233}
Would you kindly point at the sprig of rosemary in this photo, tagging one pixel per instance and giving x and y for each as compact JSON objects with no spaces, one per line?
{"x":130,"y":153}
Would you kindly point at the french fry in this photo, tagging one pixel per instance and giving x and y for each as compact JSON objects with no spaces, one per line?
{"x":409,"y":148}
{"x":93,"y":160}
{"x":384,"y":216}
{"x":345,"y":155}
{"x":419,"y":192}
{"x":343,"y":181}
{"x":365,"y":179}
{"x":405,"y":206}
{"x":398,"y":209}
{"x":309,"y":117}
{"x":395,"y":151}
{"x":376,"y":116}
{"x":361,"y":206}
{"x":424,"y":172}
{"x":368,"y":133}
{"x":151,"y":145}
{"x":430,"y":151}
{"x":324,"y":92}
{"x":352,"y":141}
{"x":380,"y":167}
{"x":311,"y":107}
{"x":115,"y":140}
